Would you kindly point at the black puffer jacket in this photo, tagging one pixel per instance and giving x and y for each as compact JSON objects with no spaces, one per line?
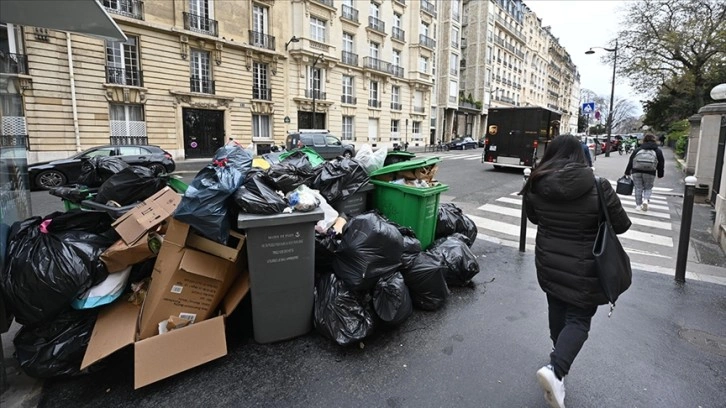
{"x":564,"y":205}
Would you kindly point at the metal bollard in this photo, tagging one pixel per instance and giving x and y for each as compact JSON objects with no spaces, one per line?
{"x":523,"y":223}
{"x":686,"y":218}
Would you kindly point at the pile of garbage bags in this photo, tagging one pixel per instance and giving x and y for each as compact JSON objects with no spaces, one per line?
{"x":374,"y":273}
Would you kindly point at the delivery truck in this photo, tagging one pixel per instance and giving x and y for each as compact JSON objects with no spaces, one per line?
{"x":517,"y":137}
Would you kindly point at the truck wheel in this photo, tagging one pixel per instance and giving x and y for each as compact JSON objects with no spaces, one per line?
{"x":497,"y":167}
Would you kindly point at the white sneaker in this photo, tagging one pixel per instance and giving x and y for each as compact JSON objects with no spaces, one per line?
{"x":645,"y":206}
{"x":554,"y":389}
{"x":638,"y":207}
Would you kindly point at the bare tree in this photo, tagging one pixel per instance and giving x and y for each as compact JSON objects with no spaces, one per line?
{"x":624,"y":110}
{"x":671,"y":39}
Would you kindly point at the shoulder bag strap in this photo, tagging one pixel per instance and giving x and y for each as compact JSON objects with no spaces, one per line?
{"x":602,"y":205}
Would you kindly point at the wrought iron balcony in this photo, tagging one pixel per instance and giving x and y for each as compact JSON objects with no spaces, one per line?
{"x":349,"y":58}
{"x":315,"y":94}
{"x":262,"y":40}
{"x":201,"y":85}
{"x":396,"y":71}
{"x":328,"y":3}
{"x":13,"y":63}
{"x":262,"y":93}
{"x":124,"y":76}
{"x":349,"y":13}
{"x":377,"y":64}
{"x":398,"y":34}
{"x":419,"y":109}
{"x":349,"y":99}
{"x":427,"y":41}
{"x":396,"y":106}
{"x":428,"y":7}
{"x":200,"y":24}
{"x":376,"y":24}
{"x":374,"y":103}
{"x":127,"y":8}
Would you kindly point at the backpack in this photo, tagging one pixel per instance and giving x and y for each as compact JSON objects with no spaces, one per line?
{"x":645,"y":160}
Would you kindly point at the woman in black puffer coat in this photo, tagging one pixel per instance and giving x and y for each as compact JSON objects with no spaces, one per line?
{"x":561,"y":198}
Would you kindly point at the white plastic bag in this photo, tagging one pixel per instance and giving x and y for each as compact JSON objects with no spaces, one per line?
{"x":370,"y":160}
{"x":105,"y":292}
{"x":330,"y":215}
{"x":303,"y":199}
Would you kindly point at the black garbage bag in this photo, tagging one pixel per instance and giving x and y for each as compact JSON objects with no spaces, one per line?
{"x":204,"y":206}
{"x":256,"y":197}
{"x":74,"y":194}
{"x":340,"y":314}
{"x":451,"y":219}
{"x":370,"y":248}
{"x":340,"y":178}
{"x":411,"y":247}
{"x":55,"y":348}
{"x":98,"y":169}
{"x":391,"y":300}
{"x":460,"y":261}
{"x":426,"y":282}
{"x":325,"y":247}
{"x":129,"y":186}
{"x":51,"y":262}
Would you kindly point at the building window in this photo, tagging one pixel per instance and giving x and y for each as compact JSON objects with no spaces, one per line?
{"x":201,"y":17}
{"x":348,"y":42}
{"x":261,"y":127}
{"x":127,"y":124}
{"x":347,"y":133}
{"x":416,"y":130}
{"x":315,"y":83}
{"x":128,"y":8}
{"x":453,"y":91}
{"x":373,"y":95}
{"x":396,"y":20}
{"x":453,"y":64}
{"x":396,"y":94}
{"x":397,"y":58}
{"x":201,"y":72}
{"x":260,"y":85}
{"x":122,"y":62}
{"x":454,"y":37}
{"x":348,"y":90}
{"x":317,"y":29}
{"x":374,"y":49}
{"x":423,"y":64}
{"x":425,"y":29}
{"x":395,"y":129}
{"x":260,"y":22}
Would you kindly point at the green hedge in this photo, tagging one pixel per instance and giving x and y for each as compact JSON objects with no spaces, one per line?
{"x":678,"y":132}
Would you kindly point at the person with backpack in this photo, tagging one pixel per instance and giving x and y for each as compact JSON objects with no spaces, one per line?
{"x":645,"y":162}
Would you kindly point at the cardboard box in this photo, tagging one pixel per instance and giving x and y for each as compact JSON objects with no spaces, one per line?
{"x":133,"y":225}
{"x":181,"y":234}
{"x":121,"y":255}
{"x":167,"y":354}
{"x":186,"y":283}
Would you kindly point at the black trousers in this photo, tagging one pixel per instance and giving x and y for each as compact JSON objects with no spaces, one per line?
{"x":569,"y":328}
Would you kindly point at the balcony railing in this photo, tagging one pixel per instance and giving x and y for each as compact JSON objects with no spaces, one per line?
{"x":349,"y":58}
{"x":328,"y":3}
{"x":13,"y":63}
{"x":201,"y":85}
{"x":124,"y":76}
{"x":376,"y":24}
{"x":400,"y":2}
{"x":377,"y":64}
{"x":315,"y":94}
{"x":419,"y":109}
{"x":374,"y":103}
{"x":262,"y":93}
{"x":349,"y":99}
{"x":427,"y":41}
{"x":396,"y":71}
{"x":128,"y":8}
{"x":200,"y":24}
{"x":129,"y":139}
{"x":428,"y":7}
{"x":262,"y":40}
{"x":349,"y":13}
{"x":398,"y":34}
{"x":396,"y":106}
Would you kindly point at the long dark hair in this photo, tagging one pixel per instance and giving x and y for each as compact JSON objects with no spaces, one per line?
{"x":561,"y":151}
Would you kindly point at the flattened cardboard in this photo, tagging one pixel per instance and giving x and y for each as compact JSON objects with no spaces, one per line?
{"x":180,"y":234}
{"x":151,"y":212}
{"x":121,"y":255}
{"x":164,"y":355}
{"x":185,"y":282}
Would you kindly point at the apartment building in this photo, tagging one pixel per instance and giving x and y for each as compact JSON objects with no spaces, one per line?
{"x":194,"y":73}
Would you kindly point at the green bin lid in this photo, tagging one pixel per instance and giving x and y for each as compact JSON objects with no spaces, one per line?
{"x":400,"y":153}
{"x":406,"y":165}
{"x":313,"y":156}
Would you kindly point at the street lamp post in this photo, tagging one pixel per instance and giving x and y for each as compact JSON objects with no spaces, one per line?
{"x":612,"y":94}
{"x":314,"y":92}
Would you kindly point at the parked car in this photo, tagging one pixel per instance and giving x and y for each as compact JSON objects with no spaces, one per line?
{"x":593,"y":144}
{"x":462,"y":143}
{"x":60,"y":172}
{"x":321,"y":141}
{"x":482,"y":142}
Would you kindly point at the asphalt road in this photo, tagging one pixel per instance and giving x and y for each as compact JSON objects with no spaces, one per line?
{"x":665,"y":345}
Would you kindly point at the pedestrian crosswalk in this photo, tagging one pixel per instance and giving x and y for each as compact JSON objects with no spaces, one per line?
{"x":649,"y":241}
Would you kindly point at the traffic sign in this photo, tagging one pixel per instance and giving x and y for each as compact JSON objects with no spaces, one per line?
{"x":588,"y":107}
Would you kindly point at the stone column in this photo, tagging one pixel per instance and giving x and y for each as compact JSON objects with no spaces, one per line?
{"x":693,"y":138}
{"x":708,"y":142}
{"x":719,"y":204}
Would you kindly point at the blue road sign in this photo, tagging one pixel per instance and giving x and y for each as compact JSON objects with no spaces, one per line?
{"x":588,"y":107}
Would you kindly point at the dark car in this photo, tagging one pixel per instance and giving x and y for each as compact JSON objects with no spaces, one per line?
{"x":66,"y":171}
{"x":327,"y":145}
{"x":482,"y":142}
{"x":462,"y":143}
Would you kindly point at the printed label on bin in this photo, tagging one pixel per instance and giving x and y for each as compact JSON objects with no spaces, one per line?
{"x":177,"y":289}
{"x":188,"y":316}
{"x":282,"y":247}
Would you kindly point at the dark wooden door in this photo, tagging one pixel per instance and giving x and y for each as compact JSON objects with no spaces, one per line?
{"x":203,"y":132}
{"x":719,"y":161}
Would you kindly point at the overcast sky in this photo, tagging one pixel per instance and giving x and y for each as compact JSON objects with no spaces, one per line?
{"x":579,"y":25}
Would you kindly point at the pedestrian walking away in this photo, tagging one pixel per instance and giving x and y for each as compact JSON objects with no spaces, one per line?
{"x":645,"y":162}
{"x":561,"y":198}
{"x":586,"y":152}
